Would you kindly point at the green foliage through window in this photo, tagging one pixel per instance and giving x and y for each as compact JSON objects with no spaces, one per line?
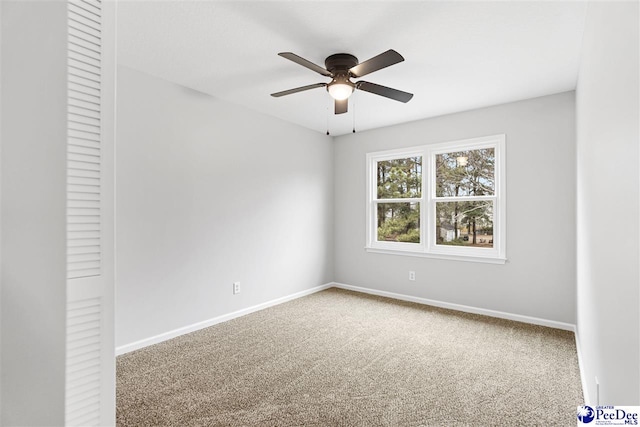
{"x":400,"y":178}
{"x":466,"y":173}
{"x":469,"y":173}
{"x":465,"y":223}
{"x":442,"y":200}
{"x":399,"y":222}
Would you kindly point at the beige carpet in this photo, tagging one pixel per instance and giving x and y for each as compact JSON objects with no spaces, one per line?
{"x":340,"y":358}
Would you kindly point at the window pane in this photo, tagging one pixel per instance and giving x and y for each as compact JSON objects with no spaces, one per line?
{"x":400,"y":178}
{"x":399,"y":222}
{"x":465,"y":173}
{"x":465,"y":223}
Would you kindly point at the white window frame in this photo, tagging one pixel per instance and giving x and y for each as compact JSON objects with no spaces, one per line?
{"x":372,"y":186}
{"x":428,"y":246}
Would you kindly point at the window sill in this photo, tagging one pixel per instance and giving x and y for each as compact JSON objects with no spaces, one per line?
{"x":451,"y":257}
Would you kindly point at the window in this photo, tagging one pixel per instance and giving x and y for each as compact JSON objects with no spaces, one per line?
{"x":398,"y":199}
{"x":443,"y":200}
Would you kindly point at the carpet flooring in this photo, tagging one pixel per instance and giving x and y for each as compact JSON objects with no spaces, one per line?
{"x":341,"y":358}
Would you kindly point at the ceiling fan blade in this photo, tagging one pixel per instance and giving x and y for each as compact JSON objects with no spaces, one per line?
{"x":385,"y":91}
{"x":341,"y":106}
{"x":310,"y":65}
{"x":298,"y":89}
{"x":376,"y":63}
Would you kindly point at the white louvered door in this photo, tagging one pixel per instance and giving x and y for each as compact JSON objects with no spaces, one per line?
{"x":90,"y":367}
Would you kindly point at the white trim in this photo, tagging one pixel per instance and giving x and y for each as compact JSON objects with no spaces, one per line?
{"x":498,"y":251}
{"x":372,"y":198}
{"x":396,"y":153}
{"x":210,"y":322}
{"x":465,"y":144}
{"x":464,"y":308}
{"x":436,"y":255}
{"x":583,"y":378}
{"x":406,"y":200}
{"x":428,"y":246}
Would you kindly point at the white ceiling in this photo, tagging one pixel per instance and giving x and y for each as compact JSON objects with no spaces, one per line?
{"x":458,"y":55}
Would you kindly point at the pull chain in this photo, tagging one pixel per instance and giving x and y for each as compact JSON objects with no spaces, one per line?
{"x":353,"y":107}
{"x":328,"y":121}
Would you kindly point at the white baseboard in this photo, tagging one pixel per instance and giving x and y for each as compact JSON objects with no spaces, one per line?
{"x":460,"y":307}
{"x":585,"y":391}
{"x":210,"y":322}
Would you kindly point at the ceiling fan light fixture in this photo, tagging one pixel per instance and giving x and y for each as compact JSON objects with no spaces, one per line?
{"x":340,"y":88}
{"x":340,"y":91}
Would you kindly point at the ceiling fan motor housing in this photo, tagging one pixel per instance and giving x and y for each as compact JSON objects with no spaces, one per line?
{"x":340,"y":63}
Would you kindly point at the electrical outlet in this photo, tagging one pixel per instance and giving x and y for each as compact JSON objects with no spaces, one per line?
{"x":236,"y":288}
{"x":412,"y":275}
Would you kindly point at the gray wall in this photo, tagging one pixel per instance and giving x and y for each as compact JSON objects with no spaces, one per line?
{"x":608,"y":197}
{"x":209,"y":193}
{"x":33,"y":227}
{"x":539,"y":277}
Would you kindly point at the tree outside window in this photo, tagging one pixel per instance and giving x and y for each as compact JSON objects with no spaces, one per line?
{"x":443,"y":200}
{"x":468,"y":176}
{"x":399,"y":179}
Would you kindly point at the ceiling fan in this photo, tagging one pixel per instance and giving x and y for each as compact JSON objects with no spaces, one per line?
{"x":341,"y":67}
